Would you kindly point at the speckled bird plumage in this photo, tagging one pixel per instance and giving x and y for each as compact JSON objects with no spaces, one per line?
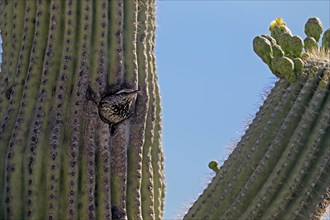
{"x":117,"y":107}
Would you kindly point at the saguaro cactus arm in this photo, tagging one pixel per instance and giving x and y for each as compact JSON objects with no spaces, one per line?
{"x":280,"y":167}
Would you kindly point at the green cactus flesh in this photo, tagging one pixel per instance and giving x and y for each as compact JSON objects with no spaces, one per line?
{"x":310,"y":44}
{"x":326,"y":40}
{"x":283,"y":67}
{"x":280,"y":168}
{"x":277,"y":51}
{"x":263,"y":47}
{"x":58,"y":158}
{"x":296,"y":46}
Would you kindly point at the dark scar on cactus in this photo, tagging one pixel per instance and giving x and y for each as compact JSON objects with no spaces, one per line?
{"x":9,"y":92}
{"x":114,"y":107}
{"x":91,"y":95}
{"x":116,"y":213}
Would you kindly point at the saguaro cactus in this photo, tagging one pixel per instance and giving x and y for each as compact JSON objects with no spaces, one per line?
{"x":280,"y":168}
{"x":58,"y":159}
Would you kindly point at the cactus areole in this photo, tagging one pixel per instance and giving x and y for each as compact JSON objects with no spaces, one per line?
{"x":280,"y":168}
{"x":59,"y":158}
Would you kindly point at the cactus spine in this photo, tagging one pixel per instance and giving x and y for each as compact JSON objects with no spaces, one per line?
{"x":58,"y":159}
{"x":280,"y":168}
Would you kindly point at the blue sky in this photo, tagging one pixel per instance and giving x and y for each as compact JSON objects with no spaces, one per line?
{"x":211,"y":81}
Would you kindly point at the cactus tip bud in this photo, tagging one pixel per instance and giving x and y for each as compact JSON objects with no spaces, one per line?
{"x":280,"y":22}
{"x":283,"y":67}
{"x":272,"y":25}
{"x":213,"y":165}
{"x":296,"y":46}
{"x":277,"y":51}
{"x":277,"y":22}
{"x":263,"y":48}
{"x":326,"y":40}
{"x":310,"y":44}
{"x":314,"y":28}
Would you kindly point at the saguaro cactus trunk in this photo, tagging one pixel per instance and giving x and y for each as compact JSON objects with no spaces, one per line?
{"x":280,"y":168}
{"x":58,"y":159}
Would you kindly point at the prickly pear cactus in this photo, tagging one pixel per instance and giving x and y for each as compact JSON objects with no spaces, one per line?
{"x":58,"y":159}
{"x":280,"y":168}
